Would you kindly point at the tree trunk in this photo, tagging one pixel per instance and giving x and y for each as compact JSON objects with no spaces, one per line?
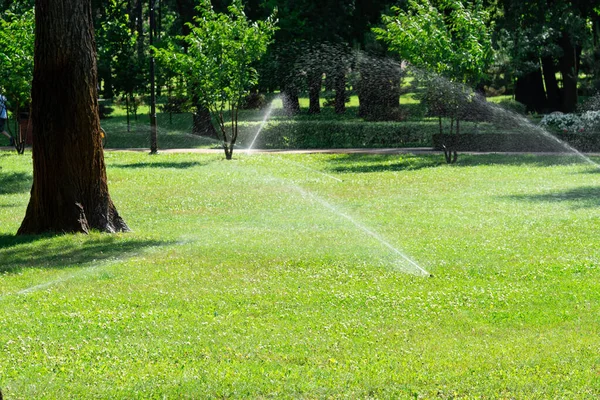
{"x":314,"y":89}
{"x":70,"y":191}
{"x":378,"y":89}
{"x":529,"y":90}
{"x":291,"y":103}
{"x":569,"y":68}
{"x":340,"y":92}
{"x":552,"y":90}
{"x":202,"y":123}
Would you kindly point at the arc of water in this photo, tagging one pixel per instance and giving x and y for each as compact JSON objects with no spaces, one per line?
{"x":523,"y":121}
{"x":262,"y":124}
{"x":363,"y":228}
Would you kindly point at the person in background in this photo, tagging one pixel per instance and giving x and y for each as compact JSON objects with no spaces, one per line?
{"x":3,"y":118}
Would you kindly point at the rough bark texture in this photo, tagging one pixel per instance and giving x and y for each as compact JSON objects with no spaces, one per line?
{"x":70,"y":191}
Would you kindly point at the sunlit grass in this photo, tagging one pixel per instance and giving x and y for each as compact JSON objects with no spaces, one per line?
{"x":234,"y":283}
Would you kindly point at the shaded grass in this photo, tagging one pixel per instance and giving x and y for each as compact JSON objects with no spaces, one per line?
{"x":235,"y":284}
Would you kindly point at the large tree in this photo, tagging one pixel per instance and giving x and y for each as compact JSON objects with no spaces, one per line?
{"x":70,"y":191}
{"x":542,"y":38}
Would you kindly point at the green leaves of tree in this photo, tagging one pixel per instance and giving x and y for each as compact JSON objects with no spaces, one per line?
{"x":16,"y":57}
{"x":450,"y":38}
{"x":221,"y":50}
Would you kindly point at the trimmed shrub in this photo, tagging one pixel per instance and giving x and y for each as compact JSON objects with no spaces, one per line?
{"x":585,"y":123}
{"x":338,"y":134}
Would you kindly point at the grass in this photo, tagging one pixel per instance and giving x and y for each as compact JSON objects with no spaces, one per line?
{"x":248,"y":279}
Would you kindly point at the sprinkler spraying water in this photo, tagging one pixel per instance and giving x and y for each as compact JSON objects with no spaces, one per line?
{"x":264,"y":121}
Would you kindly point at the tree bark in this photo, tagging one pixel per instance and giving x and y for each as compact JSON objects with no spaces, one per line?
{"x":529,"y":90}
{"x":315,"y":80}
{"x":202,"y":123}
{"x":569,"y":68}
{"x":340,"y":92}
{"x":70,"y":190}
{"x":378,"y":89}
{"x":290,"y":100}
{"x":552,"y":90}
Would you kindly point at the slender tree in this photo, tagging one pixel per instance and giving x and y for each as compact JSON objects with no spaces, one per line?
{"x":222,"y":48}
{"x":70,"y":191}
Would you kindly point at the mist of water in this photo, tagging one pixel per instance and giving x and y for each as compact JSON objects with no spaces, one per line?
{"x":502,"y":116}
{"x":408,"y":265}
{"x":264,"y":121}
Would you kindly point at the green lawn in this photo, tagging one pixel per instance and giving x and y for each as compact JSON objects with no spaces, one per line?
{"x":273,"y":276}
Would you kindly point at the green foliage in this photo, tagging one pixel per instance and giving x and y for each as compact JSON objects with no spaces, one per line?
{"x":117,"y":55}
{"x":219,"y":61}
{"x":449,"y":38}
{"x":16,"y":57}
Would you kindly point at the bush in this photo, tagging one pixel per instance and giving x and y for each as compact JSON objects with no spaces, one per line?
{"x":592,"y":103}
{"x":336,"y":134}
{"x":585,"y":123}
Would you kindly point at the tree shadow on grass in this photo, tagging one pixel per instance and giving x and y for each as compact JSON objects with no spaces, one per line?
{"x":162,"y":164}
{"x":582,"y":197}
{"x":369,"y":163}
{"x":366,"y":163}
{"x":15,"y":182}
{"x":537,"y":160}
{"x":65,"y":251}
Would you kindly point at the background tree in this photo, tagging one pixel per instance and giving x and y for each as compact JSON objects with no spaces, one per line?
{"x":446,"y":39}
{"x":70,"y":191}
{"x":543,"y":42}
{"x":16,"y":58}
{"x":221,"y":48}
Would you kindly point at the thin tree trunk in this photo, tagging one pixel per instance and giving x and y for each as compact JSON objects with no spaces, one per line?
{"x":552,"y":90}
{"x":340,"y":92}
{"x":70,"y":191}
{"x":569,"y":67}
{"x":314,"y":89}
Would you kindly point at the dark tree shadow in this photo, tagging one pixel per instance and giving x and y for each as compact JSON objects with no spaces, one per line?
{"x":368,"y":163}
{"x":15,"y":182}
{"x":365,"y":163}
{"x":17,"y":252}
{"x":511,"y":159}
{"x":582,"y":197}
{"x":162,"y":164}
